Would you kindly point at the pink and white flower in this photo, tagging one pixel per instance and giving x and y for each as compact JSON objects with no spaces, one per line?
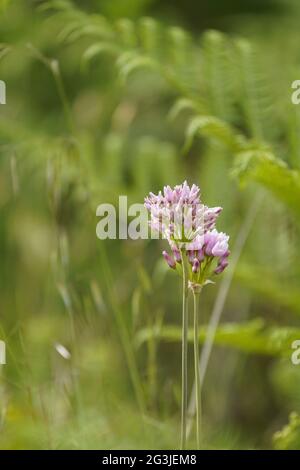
{"x":180,"y":217}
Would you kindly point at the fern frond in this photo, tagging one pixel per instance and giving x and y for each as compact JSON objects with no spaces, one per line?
{"x":185,"y":104}
{"x":273,"y":173}
{"x":216,"y":82}
{"x":217,"y":129}
{"x":169,"y":50}
{"x":219,"y":79}
{"x":254,"y":96}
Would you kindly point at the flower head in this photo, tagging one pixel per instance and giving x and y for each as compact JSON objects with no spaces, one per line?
{"x":179,"y":216}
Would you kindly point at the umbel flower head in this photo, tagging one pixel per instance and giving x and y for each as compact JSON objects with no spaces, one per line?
{"x":179,"y":216}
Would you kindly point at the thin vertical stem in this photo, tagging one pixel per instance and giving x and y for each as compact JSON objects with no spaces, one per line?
{"x":221,"y":299}
{"x":184,"y":396}
{"x":197,"y":370}
{"x":53,"y":66}
{"x":55,"y":69}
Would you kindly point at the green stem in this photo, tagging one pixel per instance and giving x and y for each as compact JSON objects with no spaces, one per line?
{"x":53,"y":66}
{"x":197,"y":369}
{"x":184,"y":396}
{"x":55,"y":69}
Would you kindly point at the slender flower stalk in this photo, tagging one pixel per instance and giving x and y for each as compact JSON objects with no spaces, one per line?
{"x":196,"y":295}
{"x":184,"y":365}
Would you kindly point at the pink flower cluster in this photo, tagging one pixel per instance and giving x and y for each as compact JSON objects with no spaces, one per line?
{"x":178,"y":214}
{"x":214,"y":245}
{"x":189,"y":226}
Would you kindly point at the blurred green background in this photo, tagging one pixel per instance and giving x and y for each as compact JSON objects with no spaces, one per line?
{"x":119,"y":97}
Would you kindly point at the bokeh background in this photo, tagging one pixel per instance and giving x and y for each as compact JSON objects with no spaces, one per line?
{"x":119,"y":97}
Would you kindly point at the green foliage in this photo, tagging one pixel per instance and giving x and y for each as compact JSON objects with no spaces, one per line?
{"x":253,"y":337}
{"x":214,"y":128}
{"x":231,"y":79}
{"x":100,"y":106}
{"x":3,"y":5}
{"x":289,"y":437}
{"x":273,"y":173}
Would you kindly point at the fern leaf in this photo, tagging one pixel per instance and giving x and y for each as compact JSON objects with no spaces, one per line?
{"x":252,"y":337}
{"x":262,"y":166}
{"x":215,"y":128}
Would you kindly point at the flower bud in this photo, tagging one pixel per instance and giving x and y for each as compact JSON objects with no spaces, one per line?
{"x":171,"y":262}
{"x":196,"y":265}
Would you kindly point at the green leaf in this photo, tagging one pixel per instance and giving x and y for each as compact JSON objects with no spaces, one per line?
{"x":215,"y":128}
{"x":252,"y":337}
{"x":219,"y":76}
{"x":128,"y":63}
{"x":97,"y":49}
{"x":263,"y":167}
{"x":183,"y":104}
